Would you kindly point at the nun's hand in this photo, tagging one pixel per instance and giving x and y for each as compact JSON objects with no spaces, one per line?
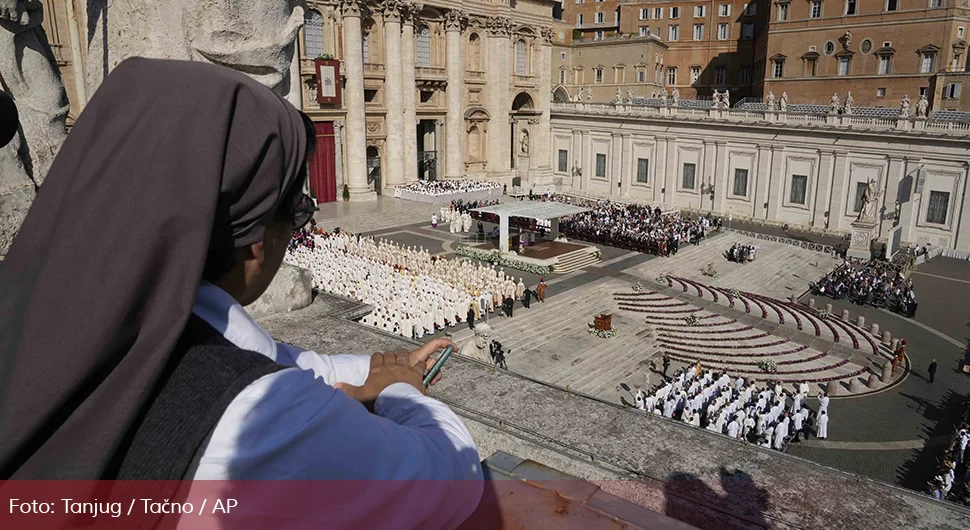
{"x":421,"y":357}
{"x":386,"y":369}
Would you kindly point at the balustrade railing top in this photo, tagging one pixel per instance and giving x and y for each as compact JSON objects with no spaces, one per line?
{"x":817,"y":247}
{"x":847,"y":121}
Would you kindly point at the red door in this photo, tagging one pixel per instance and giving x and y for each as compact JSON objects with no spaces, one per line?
{"x":323,"y":168}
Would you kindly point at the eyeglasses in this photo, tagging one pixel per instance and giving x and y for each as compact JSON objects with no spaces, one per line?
{"x":300,"y":212}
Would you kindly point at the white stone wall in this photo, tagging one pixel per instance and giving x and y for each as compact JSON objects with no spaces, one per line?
{"x":834,"y":159}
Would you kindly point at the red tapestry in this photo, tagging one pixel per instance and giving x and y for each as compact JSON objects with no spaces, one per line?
{"x":323,"y":169}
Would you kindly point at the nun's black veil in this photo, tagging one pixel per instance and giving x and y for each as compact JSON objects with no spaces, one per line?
{"x":169,"y":160}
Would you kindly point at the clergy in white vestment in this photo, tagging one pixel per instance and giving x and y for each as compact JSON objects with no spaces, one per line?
{"x":823,"y":403}
{"x":822,"y":425}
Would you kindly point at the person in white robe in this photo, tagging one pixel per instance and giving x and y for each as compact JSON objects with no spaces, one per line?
{"x":823,"y":403}
{"x":519,"y":289}
{"x":822,"y":425}
{"x":733,"y":428}
{"x":803,"y":389}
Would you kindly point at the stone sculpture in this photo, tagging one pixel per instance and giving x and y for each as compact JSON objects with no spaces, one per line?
{"x":675,"y":97}
{"x":479,"y":347}
{"x":784,"y":102}
{"x":31,"y":78}
{"x":589,"y":94}
{"x":904,"y":106}
{"x":524,"y":142}
{"x":849,"y":100}
{"x":629,"y":96}
{"x":618,"y":96}
{"x":770,"y":101}
{"x":834,"y":104}
{"x":869,"y":204}
{"x":922,"y":105}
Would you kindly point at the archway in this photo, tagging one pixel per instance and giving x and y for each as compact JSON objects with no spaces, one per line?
{"x":374,"y":168}
{"x":560,"y":95}
{"x":523,"y":101}
{"x":524,"y":116}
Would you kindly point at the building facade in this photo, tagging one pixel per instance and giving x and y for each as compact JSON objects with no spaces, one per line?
{"x":771,"y":166}
{"x":881,"y":50}
{"x":432,"y":91}
{"x":633,"y":65}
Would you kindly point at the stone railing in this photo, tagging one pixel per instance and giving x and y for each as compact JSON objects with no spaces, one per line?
{"x":373,"y":69}
{"x":527,"y":80}
{"x":817,"y":247}
{"x":475,"y":75}
{"x":846,"y":121}
{"x":430,"y":72}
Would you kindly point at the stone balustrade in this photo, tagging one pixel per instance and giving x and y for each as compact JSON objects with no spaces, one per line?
{"x":848,"y":121}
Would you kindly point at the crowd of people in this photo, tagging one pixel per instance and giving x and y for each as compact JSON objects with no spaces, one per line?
{"x":770,"y":417}
{"x":459,"y":216}
{"x":871,"y":283}
{"x":438,"y":188}
{"x":741,"y":253}
{"x":952,"y":479}
{"x":413,"y":293}
{"x":635,"y":226}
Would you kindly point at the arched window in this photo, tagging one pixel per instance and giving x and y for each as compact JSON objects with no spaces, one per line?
{"x":520,"y":62}
{"x":424,"y":46}
{"x":474,"y":52}
{"x":313,"y":34}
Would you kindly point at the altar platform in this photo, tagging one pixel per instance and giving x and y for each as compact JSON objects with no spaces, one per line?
{"x":564,"y":257}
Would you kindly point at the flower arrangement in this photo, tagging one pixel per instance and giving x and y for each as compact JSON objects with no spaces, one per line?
{"x":820,"y":312}
{"x":768,"y":366}
{"x":494,"y":256}
{"x":663,"y":279}
{"x":637,"y":287}
{"x":602,"y":333}
{"x":691,"y":320}
{"x":735,"y":293}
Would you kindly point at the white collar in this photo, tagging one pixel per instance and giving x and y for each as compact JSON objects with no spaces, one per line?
{"x":221,"y":311}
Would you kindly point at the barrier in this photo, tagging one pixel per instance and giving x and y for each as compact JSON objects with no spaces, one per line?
{"x":808,"y":245}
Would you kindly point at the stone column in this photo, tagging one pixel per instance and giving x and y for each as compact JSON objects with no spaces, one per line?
{"x":616,"y":158}
{"x":628,"y":171}
{"x":438,"y":137}
{"x":393,"y":93}
{"x":454,"y":163}
{"x":659,"y":163}
{"x":338,"y":156}
{"x":837,"y":205}
{"x":894,"y":175}
{"x":763,"y":178}
{"x":589,"y":161}
{"x":722,"y":176}
{"x":576,"y":160}
{"x":822,"y":189}
{"x":410,"y":96}
{"x":498,"y":74}
{"x":777,"y":190}
{"x":545,"y":152}
{"x":554,"y":228}
{"x":353,"y":95}
{"x":503,"y":233}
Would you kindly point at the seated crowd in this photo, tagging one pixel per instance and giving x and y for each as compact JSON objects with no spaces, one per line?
{"x":635,"y":226}
{"x":716,"y":402}
{"x":439,"y":188}
{"x":412,"y":292}
{"x":872,"y":283}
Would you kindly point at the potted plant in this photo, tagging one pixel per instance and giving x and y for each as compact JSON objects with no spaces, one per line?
{"x":346,"y":192}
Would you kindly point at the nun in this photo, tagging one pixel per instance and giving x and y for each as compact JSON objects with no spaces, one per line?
{"x":127,"y":351}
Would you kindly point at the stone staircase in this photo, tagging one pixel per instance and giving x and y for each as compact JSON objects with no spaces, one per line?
{"x":575,"y":260}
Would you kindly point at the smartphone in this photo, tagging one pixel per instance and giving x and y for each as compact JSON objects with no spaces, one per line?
{"x":438,"y":364}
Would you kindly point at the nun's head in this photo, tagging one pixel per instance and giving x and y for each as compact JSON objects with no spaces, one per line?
{"x":247,"y":271}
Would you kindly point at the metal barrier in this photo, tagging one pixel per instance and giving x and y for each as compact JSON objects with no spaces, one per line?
{"x":808,"y":245}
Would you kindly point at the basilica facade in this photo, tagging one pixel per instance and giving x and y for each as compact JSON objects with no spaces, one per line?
{"x":429,"y":91}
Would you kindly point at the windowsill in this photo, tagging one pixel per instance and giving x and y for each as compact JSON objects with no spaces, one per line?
{"x":641,"y":185}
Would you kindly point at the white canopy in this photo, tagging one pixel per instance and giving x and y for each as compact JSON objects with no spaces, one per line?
{"x":546,"y":211}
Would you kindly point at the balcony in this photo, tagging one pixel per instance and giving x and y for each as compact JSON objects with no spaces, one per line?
{"x":599,"y":25}
{"x":430,"y":73}
{"x":374,"y":70}
{"x":525,"y":80}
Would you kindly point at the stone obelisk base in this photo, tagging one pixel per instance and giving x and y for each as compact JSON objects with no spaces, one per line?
{"x":863,"y":232}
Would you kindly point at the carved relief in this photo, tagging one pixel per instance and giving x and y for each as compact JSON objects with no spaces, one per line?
{"x":499,"y":26}
{"x":456,"y":20}
{"x":391,"y":10}
{"x":409,"y":12}
{"x":374,"y":126}
{"x":350,"y":8}
{"x":547,"y":35}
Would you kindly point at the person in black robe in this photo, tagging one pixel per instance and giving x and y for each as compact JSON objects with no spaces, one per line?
{"x":527,"y":297}
{"x":509,"y":303}
{"x":470,"y":317}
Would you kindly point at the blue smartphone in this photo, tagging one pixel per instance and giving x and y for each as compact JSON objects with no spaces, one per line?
{"x":438,"y":364}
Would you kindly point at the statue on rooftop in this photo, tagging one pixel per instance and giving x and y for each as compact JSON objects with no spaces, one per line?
{"x":618,"y":96}
{"x":849,"y":100}
{"x":589,"y":94}
{"x":675,"y":98}
{"x":869,"y":204}
{"x":846,"y":40}
{"x":834,"y":104}
{"x":629,"y":96}
{"x":922,"y":105}
{"x":770,"y":101}
{"x":904,"y":107}
{"x":784,"y":102}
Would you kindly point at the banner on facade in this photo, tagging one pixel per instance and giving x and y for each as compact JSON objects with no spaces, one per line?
{"x":328,"y":81}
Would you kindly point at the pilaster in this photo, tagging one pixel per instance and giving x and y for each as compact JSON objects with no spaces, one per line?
{"x":722,"y":177}
{"x":393,"y":93}
{"x":837,"y":204}
{"x":409,"y":12}
{"x":823,"y":189}
{"x":776,"y":193}
{"x":763,"y":177}
{"x":627,"y":170}
{"x":616,"y":161}
{"x":894,"y":174}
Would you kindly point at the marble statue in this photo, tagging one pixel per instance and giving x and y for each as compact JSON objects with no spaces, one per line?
{"x":589,"y":94}
{"x":849,"y":100}
{"x":579,"y":94}
{"x":834,"y":104}
{"x":726,"y":99}
{"x":716,"y":99}
{"x":904,"y":105}
{"x":479,"y":347}
{"x":846,"y":40}
{"x":922,"y":105}
{"x":524,"y":142}
{"x":577,"y":171}
{"x":783,"y":104}
{"x":770,"y":101}
{"x":629,"y":96}
{"x":32,"y":79}
{"x":869,"y":204}
{"x":618,"y":96}
{"x":676,"y":97}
